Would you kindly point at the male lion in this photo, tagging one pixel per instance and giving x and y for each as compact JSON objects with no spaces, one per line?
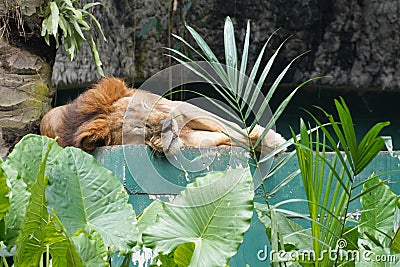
{"x":112,"y":114}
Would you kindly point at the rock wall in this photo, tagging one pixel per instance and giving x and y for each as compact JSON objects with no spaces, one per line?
{"x":355,"y":43}
{"x":25,"y":72}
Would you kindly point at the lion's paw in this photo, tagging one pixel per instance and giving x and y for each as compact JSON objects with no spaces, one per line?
{"x":171,"y":143}
{"x":270,"y":142}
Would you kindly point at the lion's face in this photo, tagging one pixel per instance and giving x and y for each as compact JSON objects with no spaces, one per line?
{"x":93,"y":119}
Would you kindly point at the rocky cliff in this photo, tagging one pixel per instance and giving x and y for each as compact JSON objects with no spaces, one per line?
{"x":354,"y":43}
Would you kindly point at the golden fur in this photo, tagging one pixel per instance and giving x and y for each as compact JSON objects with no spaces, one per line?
{"x":112,"y":114}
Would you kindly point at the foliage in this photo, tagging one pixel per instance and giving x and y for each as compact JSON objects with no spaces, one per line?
{"x":240,"y":92}
{"x":39,"y":233}
{"x":70,"y":211}
{"x":94,"y":200}
{"x":69,"y":20}
{"x":4,"y":191}
{"x":64,"y":204}
{"x":329,"y":187}
{"x":205,"y":224}
{"x":4,"y":201}
{"x":376,"y":238}
{"x":380,"y":223}
{"x":243,"y":94}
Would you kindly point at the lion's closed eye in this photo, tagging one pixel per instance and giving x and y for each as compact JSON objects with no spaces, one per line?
{"x":93,"y":134}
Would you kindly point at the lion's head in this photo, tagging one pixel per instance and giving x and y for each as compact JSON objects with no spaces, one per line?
{"x":93,"y":119}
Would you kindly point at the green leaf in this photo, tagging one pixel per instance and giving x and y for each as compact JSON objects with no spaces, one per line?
{"x":227,"y":96}
{"x":276,"y":114}
{"x":55,"y":17}
{"x":253,"y":73}
{"x":148,"y":218}
{"x":243,"y":63}
{"x":91,"y":249}
{"x":96,"y":56}
{"x":22,"y":171}
{"x":293,"y":235}
{"x":74,"y":23}
{"x":370,"y":146}
{"x":36,"y":147}
{"x":166,"y":260}
{"x":69,"y":2}
{"x":395,"y":242}
{"x":379,"y":206}
{"x":327,"y":194}
{"x":210,"y":56}
{"x":332,"y":140}
{"x":230,"y":54}
{"x":76,"y":13}
{"x":183,"y":254}
{"x":63,"y":26}
{"x":98,"y":26}
{"x":350,"y":234}
{"x":87,"y":196}
{"x":213,"y":212}
{"x":4,"y":203}
{"x":77,"y":27}
{"x":90,"y":5}
{"x":46,"y":30}
{"x":4,"y":194}
{"x":18,"y":202}
{"x":261,"y":81}
{"x":39,"y":233}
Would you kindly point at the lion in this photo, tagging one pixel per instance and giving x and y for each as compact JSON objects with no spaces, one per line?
{"x":110,"y":113}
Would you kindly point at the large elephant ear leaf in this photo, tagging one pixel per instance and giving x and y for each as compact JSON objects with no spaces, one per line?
{"x":379,"y":205}
{"x":29,"y":153}
{"x":39,"y":232}
{"x":22,"y":168}
{"x":213,"y":213}
{"x":4,"y":194}
{"x":87,"y":196}
{"x":4,"y":202}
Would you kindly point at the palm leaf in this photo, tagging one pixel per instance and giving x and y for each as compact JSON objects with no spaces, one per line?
{"x":196,"y":68}
{"x":251,"y":81}
{"x":243,"y":62}
{"x":230,"y":54}
{"x":209,"y":55}
{"x":278,"y":112}
{"x":262,"y":80}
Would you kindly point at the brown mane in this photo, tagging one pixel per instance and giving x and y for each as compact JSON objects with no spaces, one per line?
{"x":85,"y":123}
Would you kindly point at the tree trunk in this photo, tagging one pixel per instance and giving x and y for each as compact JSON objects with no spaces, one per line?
{"x":25,"y":71}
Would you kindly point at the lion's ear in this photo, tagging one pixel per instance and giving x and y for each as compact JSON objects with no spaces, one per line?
{"x":93,"y":134}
